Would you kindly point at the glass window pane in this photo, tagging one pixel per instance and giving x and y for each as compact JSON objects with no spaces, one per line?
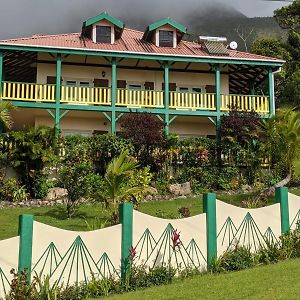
{"x":84,"y":83}
{"x":134,"y":87}
{"x":71,"y":83}
{"x":197,"y":90}
{"x":165,"y":38}
{"x":183,"y":89}
{"x":103,"y":34}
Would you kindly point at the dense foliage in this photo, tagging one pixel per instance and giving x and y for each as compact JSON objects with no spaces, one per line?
{"x":288,"y":81}
{"x":238,"y":257}
{"x":29,"y":153}
{"x":111,"y":169}
{"x":145,"y":131}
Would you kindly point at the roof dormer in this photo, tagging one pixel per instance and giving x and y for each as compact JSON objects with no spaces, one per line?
{"x":165,"y":33}
{"x":102,"y":29}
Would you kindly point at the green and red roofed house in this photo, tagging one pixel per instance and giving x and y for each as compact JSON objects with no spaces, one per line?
{"x":85,"y":82}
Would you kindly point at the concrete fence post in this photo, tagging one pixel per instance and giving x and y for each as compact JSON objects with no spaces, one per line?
{"x":209,"y":207}
{"x":281,"y":196}
{"x":126,"y":219}
{"x":25,"y":244}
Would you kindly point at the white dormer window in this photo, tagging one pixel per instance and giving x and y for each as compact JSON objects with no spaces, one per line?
{"x":103,"y":34}
{"x":166,"y":38}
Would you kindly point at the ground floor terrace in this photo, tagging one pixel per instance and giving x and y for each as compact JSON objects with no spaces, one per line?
{"x":90,"y":93}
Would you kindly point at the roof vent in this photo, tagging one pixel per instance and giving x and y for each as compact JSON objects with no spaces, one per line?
{"x":214,"y":45}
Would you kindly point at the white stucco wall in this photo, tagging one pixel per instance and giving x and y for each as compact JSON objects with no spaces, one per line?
{"x":131,"y":76}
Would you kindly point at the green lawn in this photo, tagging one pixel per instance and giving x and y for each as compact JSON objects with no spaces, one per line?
{"x":56,"y":216}
{"x":297,"y":167}
{"x":278,"y":281}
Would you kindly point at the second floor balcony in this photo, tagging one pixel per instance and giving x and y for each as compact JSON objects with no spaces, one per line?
{"x":98,"y":96}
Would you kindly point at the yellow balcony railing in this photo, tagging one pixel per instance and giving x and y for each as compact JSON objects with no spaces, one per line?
{"x":28,"y":92}
{"x":140,"y":98}
{"x":132,"y":98}
{"x":193,"y":101}
{"x":85,"y":95}
{"x":260,"y":104}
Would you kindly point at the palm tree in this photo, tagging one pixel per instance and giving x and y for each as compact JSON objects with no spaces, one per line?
{"x":282,"y":139}
{"x":116,"y":179}
{"x":5,"y":116}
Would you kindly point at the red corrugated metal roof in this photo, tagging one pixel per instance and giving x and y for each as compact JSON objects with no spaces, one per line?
{"x":131,"y":41}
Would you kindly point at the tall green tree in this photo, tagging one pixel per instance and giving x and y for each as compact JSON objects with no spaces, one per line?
{"x":286,"y":47}
{"x":274,"y":47}
{"x":288,"y":18}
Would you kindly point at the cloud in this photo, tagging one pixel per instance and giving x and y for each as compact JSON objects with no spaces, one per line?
{"x":25,"y":17}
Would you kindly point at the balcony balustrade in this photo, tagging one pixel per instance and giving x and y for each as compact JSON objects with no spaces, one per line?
{"x":35,"y":92}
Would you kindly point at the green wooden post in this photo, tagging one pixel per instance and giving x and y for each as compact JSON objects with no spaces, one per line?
{"x":252,"y":92}
{"x":281,"y":196}
{"x":271,"y":92}
{"x":209,"y":207}
{"x":25,"y":246}
{"x":1,"y":73}
{"x":218,"y":88}
{"x":167,"y":96}
{"x":218,"y":109}
{"x":113,"y":94}
{"x":1,"y":82}
{"x":58,"y":93}
{"x":126,"y":219}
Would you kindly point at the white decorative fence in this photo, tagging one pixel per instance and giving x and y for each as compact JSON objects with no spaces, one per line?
{"x":71,"y":257}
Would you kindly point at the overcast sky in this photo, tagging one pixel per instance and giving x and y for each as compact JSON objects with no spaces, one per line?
{"x":25,"y":17}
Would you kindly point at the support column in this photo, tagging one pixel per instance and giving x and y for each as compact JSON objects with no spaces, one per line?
{"x":218,"y":89}
{"x":209,"y":207}
{"x":58,"y":93}
{"x":167,"y":95}
{"x":1,"y":82}
{"x":113,"y":94}
{"x":126,"y":219}
{"x":271,"y":92}
{"x":1,"y":73}
{"x":25,"y":246}
{"x":281,"y":196}
{"x":252,"y":92}
{"x":218,"y":110}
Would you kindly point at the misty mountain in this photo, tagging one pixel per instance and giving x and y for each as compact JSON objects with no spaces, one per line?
{"x":201,"y":17}
{"x":222,"y":20}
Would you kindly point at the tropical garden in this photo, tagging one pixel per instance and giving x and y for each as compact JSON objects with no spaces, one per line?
{"x":255,"y":154}
{"x":141,"y":164}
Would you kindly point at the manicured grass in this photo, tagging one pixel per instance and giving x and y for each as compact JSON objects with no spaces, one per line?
{"x":56,"y":216}
{"x":297,"y":167}
{"x":295,"y":191}
{"x":278,"y":281}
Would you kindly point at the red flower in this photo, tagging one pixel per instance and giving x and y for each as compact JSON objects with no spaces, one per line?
{"x":176,"y":239}
{"x":132,"y":253}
